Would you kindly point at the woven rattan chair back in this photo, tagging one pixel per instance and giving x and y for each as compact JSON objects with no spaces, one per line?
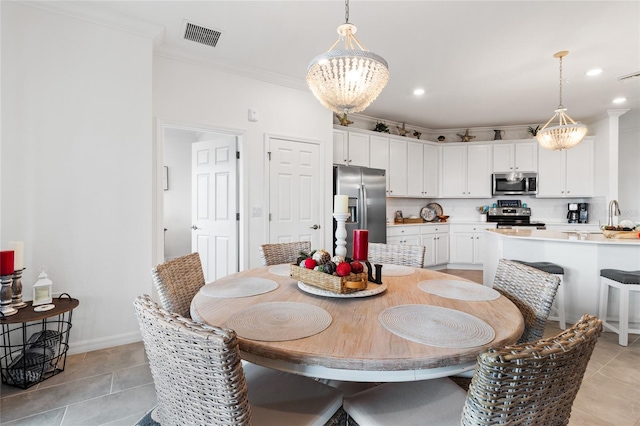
{"x":177,"y":281}
{"x":397,"y":254}
{"x":196,"y":369}
{"x":531,"y":383}
{"x":531,"y":290}
{"x":278,"y":253}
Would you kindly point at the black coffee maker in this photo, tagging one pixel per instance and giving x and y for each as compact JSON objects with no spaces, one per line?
{"x":583,"y":213}
{"x":573,"y":215}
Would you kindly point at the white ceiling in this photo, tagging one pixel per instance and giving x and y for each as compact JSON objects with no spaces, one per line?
{"x":482,"y":63}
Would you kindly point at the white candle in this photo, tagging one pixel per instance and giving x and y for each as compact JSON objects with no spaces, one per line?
{"x":18,"y":257}
{"x":340,"y":204}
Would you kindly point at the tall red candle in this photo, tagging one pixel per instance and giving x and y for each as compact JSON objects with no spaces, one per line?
{"x":6,"y":262}
{"x":360,"y":244}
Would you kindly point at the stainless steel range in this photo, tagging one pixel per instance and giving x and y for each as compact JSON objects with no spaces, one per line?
{"x":510,"y":214}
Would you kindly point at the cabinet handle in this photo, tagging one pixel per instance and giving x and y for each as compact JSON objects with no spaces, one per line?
{"x":349,"y":160}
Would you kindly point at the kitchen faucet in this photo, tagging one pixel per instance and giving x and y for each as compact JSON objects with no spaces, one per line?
{"x":614,"y":210}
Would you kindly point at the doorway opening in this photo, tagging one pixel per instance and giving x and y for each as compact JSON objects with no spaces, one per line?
{"x":198,"y":197}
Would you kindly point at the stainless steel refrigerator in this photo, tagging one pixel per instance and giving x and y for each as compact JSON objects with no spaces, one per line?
{"x":366,"y":189}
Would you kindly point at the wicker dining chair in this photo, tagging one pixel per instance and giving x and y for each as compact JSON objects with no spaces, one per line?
{"x":529,"y":383}
{"x":177,"y":281}
{"x":531,"y":290}
{"x":200,"y":380}
{"x":278,"y":253}
{"x":397,"y":254}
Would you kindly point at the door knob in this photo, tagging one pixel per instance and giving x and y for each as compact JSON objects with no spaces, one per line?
{"x":314,"y":227}
{"x":194,"y":227}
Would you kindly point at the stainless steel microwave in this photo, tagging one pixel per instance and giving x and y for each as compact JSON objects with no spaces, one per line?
{"x":515,"y":183}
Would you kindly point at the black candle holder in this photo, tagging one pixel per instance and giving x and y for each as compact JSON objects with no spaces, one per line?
{"x":377,"y":279}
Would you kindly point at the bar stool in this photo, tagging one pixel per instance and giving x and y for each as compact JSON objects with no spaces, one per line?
{"x":626,"y":282}
{"x":558,"y":301}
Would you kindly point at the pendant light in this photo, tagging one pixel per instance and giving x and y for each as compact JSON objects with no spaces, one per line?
{"x":347,"y":80}
{"x":567,"y":133}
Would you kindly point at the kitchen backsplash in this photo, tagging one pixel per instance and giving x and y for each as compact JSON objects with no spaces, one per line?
{"x":460,"y":210}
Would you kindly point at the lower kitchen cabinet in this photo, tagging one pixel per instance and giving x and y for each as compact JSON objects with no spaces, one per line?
{"x":435,"y":238}
{"x":467,"y":243}
{"x":404,"y":235}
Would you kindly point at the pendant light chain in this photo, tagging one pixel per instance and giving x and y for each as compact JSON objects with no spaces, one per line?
{"x":560,"y":106}
{"x":346,"y":11}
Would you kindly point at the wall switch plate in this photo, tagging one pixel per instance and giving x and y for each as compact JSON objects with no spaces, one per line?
{"x":253,"y":114}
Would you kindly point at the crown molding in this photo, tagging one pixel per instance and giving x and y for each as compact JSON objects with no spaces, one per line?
{"x":175,"y":53}
{"x":88,"y":11}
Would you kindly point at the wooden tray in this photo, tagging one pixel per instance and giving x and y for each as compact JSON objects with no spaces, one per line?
{"x":412,"y":220}
{"x":333,"y":283}
{"x":621,"y":234}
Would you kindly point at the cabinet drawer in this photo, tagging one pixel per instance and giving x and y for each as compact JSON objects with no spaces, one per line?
{"x":434,"y":229}
{"x":480,"y":227}
{"x":399,"y":231}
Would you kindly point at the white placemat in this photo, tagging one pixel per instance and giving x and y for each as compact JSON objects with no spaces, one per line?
{"x":279,"y":321}
{"x":391,"y":270}
{"x":436,"y":326}
{"x":461,"y":290}
{"x":371,"y":290}
{"x":238,"y":287}
{"x":284,"y":270}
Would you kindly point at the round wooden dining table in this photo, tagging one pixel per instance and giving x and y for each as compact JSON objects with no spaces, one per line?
{"x":355,"y":346}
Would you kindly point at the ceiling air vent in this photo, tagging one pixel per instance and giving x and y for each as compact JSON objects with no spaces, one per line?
{"x":201,"y":34}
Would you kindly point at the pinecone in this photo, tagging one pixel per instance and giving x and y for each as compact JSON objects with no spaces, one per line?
{"x":321,"y":256}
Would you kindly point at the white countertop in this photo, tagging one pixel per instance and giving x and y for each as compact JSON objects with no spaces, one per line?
{"x":564,"y":236}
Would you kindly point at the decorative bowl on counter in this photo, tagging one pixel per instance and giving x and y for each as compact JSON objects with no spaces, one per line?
{"x":443,"y":218}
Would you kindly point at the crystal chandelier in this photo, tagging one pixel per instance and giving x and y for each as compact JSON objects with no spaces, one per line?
{"x":347,"y":80}
{"x":567,"y":133}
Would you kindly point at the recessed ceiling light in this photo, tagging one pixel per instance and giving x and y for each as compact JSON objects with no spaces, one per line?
{"x":619,"y":100}
{"x":594,"y":71}
{"x":418,"y":92}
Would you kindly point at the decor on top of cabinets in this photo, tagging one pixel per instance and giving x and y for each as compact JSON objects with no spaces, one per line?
{"x":417,"y":134}
{"x":330,"y":74}
{"x":567,"y":133}
{"x":344,"y":121}
{"x":498,"y":134}
{"x":466,"y":137}
{"x":441,"y":138}
{"x":401,"y":130}
{"x":381,"y":127}
{"x":533,"y":131}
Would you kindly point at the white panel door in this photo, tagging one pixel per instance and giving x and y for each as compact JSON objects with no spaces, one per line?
{"x":214,"y":206}
{"x":294,"y":192}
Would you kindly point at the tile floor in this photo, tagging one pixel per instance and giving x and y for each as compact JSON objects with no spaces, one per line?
{"x":114,"y":387}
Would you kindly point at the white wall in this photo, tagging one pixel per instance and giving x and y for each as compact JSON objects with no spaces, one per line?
{"x":76,"y":164}
{"x":191,"y":93}
{"x":629,"y":161}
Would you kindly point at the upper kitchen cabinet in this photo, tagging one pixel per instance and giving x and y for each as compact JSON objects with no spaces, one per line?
{"x":515,"y":157}
{"x":422,"y":170}
{"x":466,"y":171}
{"x":350,"y":148}
{"x":567,"y":173}
{"x":397,"y":172}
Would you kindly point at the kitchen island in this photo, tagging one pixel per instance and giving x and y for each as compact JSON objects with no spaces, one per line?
{"x":581,"y":254}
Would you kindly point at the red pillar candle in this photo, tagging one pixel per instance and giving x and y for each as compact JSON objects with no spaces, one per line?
{"x":6,"y":262}
{"x":360,"y":244}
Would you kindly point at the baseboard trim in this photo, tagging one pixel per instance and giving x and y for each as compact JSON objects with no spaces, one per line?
{"x":103,"y":343}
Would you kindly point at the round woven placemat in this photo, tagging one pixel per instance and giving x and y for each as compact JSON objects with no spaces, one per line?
{"x":238,"y":287}
{"x":460,"y":290}
{"x":284,"y":270}
{"x":391,"y":270}
{"x":436,"y":326}
{"x":279,"y":321}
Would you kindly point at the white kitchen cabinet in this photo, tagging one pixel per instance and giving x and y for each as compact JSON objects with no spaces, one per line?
{"x":435,"y":238}
{"x":567,"y":173}
{"x":515,"y":157}
{"x":422,"y":170}
{"x":466,"y":171}
{"x":467,"y":243}
{"x":350,"y":148}
{"x":404,"y":235}
{"x":379,"y":154}
{"x":397,"y":186}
